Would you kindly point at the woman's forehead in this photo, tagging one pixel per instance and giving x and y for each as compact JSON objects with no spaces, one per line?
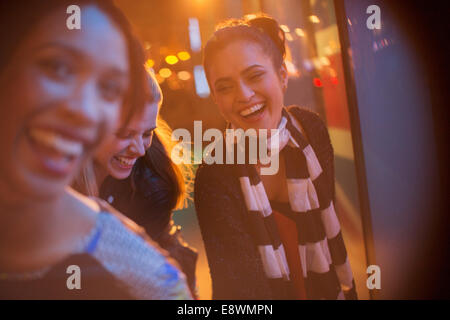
{"x":237,"y":56}
{"x":99,"y":38}
{"x":144,"y":120}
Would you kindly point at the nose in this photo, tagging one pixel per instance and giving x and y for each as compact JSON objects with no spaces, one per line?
{"x":84,"y":106}
{"x":137,"y":146}
{"x":244,"y":92}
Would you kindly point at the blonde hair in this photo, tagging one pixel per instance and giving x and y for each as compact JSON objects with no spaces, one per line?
{"x":86,"y":181}
{"x":181,"y":175}
{"x":157,"y":157}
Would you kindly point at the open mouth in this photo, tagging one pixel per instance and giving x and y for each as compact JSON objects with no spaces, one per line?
{"x":124,"y":162}
{"x":57,"y":152}
{"x":253,"y":111}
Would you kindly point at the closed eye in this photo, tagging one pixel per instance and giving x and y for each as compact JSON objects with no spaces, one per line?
{"x":224,"y":89}
{"x":256,"y":76}
{"x":148,"y":133}
{"x":122,"y":134}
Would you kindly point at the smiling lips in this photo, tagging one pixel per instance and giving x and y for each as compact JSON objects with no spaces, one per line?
{"x":124,"y":162}
{"x":56,"y":152}
{"x":249,"y":111}
{"x":253,"y":113}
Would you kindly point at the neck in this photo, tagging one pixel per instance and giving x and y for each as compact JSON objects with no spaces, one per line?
{"x":21,"y":224}
{"x":35,"y":232}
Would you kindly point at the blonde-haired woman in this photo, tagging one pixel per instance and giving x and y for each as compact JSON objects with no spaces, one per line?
{"x":134,"y":174}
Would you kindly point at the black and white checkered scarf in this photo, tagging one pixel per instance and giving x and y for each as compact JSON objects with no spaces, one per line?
{"x":325,"y":265}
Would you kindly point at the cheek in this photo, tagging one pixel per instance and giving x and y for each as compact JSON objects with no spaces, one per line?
{"x":119,"y":148}
{"x":108,"y":150}
{"x":18,"y":101}
{"x":147,"y":142}
{"x":274,"y":90}
{"x":111,"y":117}
{"x":225,"y":106}
{"x":20,"y":95}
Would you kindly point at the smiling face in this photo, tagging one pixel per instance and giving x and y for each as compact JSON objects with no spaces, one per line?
{"x":246,"y":87}
{"x":60,"y":93}
{"x":118,"y":154}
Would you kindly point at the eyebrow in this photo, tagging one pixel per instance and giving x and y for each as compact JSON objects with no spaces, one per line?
{"x":78,"y":54}
{"x":246,"y":70}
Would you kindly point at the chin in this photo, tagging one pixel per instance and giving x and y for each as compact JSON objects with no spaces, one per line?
{"x":119,"y":175}
{"x":122,"y":177}
{"x":36,"y":187}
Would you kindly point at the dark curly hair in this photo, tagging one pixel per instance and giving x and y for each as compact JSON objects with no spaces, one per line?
{"x":260,"y":29}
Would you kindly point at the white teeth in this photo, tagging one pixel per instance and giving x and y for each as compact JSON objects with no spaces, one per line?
{"x":250,"y":110}
{"x":57,"y":142}
{"x":126,"y":161}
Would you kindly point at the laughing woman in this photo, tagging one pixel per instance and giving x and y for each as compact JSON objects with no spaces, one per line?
{"x":268,"y":236}
{"x":135,"y":175}
{"x":61,"y":92}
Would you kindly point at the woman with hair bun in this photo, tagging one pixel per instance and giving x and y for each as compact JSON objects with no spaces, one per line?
{"x":268,"y":236}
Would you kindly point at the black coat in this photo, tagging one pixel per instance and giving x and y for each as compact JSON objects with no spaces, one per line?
{"x":235,"y":264}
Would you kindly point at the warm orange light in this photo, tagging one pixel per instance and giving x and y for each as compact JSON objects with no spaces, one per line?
{"x":173,"y":84}
{"x":314,"y":19}
{"x":300,"y":32}
{"x":159,"y":78}
{"x":184,"y":75}
{"x":171,"y":59}
{"x":285,"y":28}
{"x":165,"y":72}
{"x":149,"y":63}
{"x":184,"y":55}
{"x":289,"y":37}
{"x":324,"y":61}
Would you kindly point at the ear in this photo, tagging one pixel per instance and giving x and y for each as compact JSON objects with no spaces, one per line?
{"x":283,"y":74}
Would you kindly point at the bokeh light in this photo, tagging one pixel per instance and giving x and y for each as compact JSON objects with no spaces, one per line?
{"x":165,"y":72}
{"x":171,"y":59}
{"x":183,"y":55}
{"x":184,"y":75}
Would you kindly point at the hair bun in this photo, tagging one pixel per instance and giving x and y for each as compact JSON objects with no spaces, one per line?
{"x":270,"y":27}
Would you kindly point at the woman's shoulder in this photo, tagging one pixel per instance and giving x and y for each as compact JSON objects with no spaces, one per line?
{"x":213,"y":170}
{"x":215,"y":177}
{"x":307,"y":117}
{"x":314,"y":126}
{"x":125,"y":250}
